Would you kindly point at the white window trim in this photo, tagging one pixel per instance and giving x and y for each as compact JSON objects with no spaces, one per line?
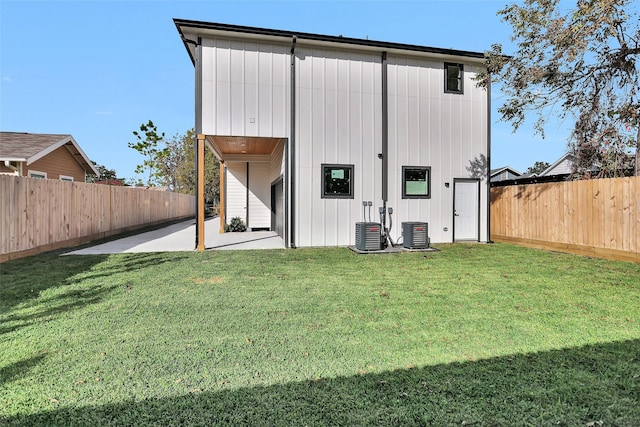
{"x":66,"y":178}
{"x":30,"y":174}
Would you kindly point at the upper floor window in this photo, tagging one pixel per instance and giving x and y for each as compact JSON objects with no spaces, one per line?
{"x":453,"y":81}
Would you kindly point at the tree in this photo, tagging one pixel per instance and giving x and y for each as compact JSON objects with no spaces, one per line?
{"x":579,"y":63}
{"x":537,"y":168}
{"x":173,"y":164}
{"x":106,"y":175}
{"x":148,"y":147}
{"x":185,"y":173}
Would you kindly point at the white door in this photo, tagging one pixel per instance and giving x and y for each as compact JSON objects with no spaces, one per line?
{"x":466,"y":210}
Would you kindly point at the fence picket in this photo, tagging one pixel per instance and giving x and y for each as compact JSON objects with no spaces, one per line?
{"x":40,"y":213}
{"x":599,"y":217}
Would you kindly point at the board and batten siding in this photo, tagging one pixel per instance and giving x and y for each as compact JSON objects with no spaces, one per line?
{"x":428,"y":127}
{"x":245,"y":88}
{"x":338,"y":113}
{"x":338,"y":120}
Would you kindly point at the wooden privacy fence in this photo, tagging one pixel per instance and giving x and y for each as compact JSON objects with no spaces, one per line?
{"x":599,"y":217}
{"x":39,"y":215}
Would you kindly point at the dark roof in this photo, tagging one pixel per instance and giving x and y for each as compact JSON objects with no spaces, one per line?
{"x":509,"y":168}
{"x":201,"y":27}
{"x":29,"y":147}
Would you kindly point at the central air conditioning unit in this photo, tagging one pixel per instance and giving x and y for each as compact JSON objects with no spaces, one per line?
{"x":368,"y":236}
{"x":415,"y":235}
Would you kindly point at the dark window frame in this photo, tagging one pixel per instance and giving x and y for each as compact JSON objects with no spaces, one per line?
{"x":330,"y":195}
{"x":460,"y":79}
{"x":427,"y":170}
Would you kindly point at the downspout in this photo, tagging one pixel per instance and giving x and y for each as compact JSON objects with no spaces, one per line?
{"x":385,"y":133}
{"x":488,"y":175}
{"x":8,"y":165}
{"x":291,"y":153}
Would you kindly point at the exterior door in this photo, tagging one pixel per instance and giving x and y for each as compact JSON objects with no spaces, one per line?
{"x":277,"y":207}
{"x":466,"y":209}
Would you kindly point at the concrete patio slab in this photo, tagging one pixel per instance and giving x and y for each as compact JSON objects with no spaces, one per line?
{"x":181,"y":237}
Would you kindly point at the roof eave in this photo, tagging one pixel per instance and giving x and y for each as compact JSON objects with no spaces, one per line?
{"x":202,"y":28}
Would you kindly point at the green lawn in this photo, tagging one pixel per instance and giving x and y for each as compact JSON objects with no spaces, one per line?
{"x":470,"y":335}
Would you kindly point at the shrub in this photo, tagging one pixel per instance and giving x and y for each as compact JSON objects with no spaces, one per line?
{"x":236,"y":224}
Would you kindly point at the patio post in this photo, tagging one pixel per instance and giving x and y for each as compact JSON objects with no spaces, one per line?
{"x":222,"y":197}
{"x":200,"y":194}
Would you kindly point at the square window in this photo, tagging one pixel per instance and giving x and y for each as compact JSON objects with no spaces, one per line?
{"x":453,"y":80}
{"x":337,"y":181}
{"x":416,"y":182}
{"x":66,"y":178}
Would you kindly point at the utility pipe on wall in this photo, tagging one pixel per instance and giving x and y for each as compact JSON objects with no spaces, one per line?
{"x":290,"y":156}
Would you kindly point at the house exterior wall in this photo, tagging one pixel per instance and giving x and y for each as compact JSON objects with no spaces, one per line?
{"x":564,"y":167}
{"x":58,"y":162}
{"x":428,"y":127}
{"x":339,"y":117}
{"x":245,"y":88}
{"x":338,"y":120}
{"x":505,"y":175}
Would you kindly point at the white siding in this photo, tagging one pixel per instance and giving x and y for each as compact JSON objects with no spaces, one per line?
{"x":259,"y":195}
{"x":236,"y":194}
{"x":428,"y":127}
{"x":338,"y":114}
{"x":338,"y":121}
{"x":245,"y":88}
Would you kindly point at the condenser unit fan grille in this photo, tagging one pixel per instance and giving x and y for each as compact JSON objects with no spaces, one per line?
{"x":415,"y":235}
{"x":368,"y":236}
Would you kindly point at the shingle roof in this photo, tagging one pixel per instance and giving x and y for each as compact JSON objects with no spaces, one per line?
{"x":25,"y":145}
{"x":29,"y":147}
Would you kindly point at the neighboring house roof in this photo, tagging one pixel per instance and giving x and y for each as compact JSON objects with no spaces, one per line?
{"x":190,"y":30}
{"x":504,"y":173}
{"x":30,"y":147}
{"x":562,"y":166}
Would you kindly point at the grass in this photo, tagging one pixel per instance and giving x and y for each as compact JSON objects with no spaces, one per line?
{"x":471,"y":335}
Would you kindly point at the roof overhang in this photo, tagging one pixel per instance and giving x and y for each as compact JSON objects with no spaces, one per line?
{"x":191,"y":31}
{"x":231,"y":148}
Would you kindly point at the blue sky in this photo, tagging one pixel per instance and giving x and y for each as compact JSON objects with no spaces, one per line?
{"x":98,"y":69}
